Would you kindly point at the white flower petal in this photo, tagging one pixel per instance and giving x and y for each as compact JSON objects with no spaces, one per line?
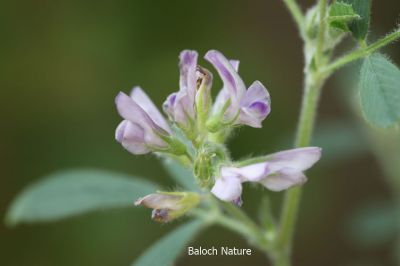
{"x":284,"y":179}
{"x":300,"y":159}
{"x":252,"y":173}
{"x":227,"y":188}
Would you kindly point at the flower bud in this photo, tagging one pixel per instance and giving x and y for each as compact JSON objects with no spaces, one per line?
{"x":207,"y":158}
{"x":203,"y":169}
{"x":203,"y":96}
{"x":168,"y":206}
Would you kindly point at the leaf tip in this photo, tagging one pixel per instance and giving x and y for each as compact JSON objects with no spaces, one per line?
{"x":11,"y":218}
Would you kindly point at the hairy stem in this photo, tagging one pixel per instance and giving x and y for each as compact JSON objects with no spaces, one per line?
{"x":314,"y":81}
{"x":321,"y":31}
{"x":315,"y":77}
{"x":237,"y":224}
{"x":361,"y":52}
{"x":283,"y":244}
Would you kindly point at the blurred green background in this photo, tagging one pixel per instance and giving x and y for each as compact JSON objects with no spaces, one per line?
{"x":63,"y":62}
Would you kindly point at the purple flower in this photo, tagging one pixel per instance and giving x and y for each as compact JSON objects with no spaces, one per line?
{"x":249,"y":107}
{"x":279,"y":171}
{"x":143,"y":124}
{"x":180,"y":105}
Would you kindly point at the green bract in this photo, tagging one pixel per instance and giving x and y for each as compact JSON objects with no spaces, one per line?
{"x":340,"y":14}
{"x":359,"y":28}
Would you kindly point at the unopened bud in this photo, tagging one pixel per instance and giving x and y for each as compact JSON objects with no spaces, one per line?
{"x":203,"y":96}
{"x":168,"y":206}
{"x":203,"y":167}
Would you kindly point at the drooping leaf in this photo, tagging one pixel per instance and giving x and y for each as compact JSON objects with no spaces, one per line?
{"x":374,"y":224}
{"x":180,"y":174}
{"x":340,"y":14}
{"x":72,"y":192}
{"x":380,"y":91}
{"x":359,"y":28}
{"x":167,"y":249}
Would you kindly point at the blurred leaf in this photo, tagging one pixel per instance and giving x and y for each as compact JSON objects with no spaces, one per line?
{"x":340,"y":14}
{"x":363,"y":262}
{"x":166,"y":250}
{"x":374,"y":224}
{"x":380,"y":91}
{"x":339,"y":141}
{"x":184,"y":176}
{"x":359,"y":28}
{"x":73,"y":192}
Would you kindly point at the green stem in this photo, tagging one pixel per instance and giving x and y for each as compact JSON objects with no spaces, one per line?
{"x":291,"y":203}
{"x":240,"y":215}
{"x":218,"y":218}
{"x":281,"y":260}
{"x":297,"y":15}
{"x":235,"y":224}
{"x":312,"y":91}
{"x":314,"y":80}
{"x":321,"y":31}
{"x":361,"y":52}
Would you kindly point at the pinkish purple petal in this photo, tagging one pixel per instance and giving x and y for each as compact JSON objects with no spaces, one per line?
{"x":238,"y":202}
{"x":184,"y":108}
{"x":132,"y":137}
{"x":133,"y":112}
{"x":255,"y":93}
{"x":141,"y":98}
{"x":119,"y":132}
{"x":188,"y":79}
{"x":130,"y":110}
{"x":232,"y":81}
{"x":255,"y":105}
{"x":168,"y":105}
{"x":180,"y":105}
{"x":187,"y":65}
{"x":235,"y":64}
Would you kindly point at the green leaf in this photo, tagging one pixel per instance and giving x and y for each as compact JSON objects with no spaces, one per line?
{"x":374,"y":224}
{"x":167,"y":249}
{"x":380,"y":91}
{"x":340,"y":14}
{"x":182,"y":175}
{"x":359,"y":28}
{"x":72,"y":192}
